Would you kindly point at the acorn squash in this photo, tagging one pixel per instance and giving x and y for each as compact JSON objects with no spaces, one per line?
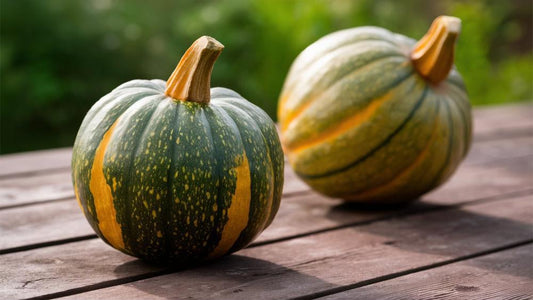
{"x":175,"y":171}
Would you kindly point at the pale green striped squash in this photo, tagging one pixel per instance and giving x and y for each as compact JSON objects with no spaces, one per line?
{"x":366,"y":115}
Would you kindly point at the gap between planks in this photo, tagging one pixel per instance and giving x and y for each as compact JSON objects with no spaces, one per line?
{"x":401,"y":214}
{"x":125,"y":280}
{"x":59,"y":199}
{"x":410,"y":271}
{"x":35,"y":172}
{"x":500,"y":275}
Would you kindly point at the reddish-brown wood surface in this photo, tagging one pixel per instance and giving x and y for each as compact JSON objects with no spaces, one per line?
{"x":500,"y":275}
{"x":471,"y":238}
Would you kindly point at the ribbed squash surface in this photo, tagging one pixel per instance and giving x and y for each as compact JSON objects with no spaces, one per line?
{"x":358,"y":122}
{"x":178,"y":181}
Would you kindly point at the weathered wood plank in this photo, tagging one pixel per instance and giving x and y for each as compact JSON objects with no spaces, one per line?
{"x":344,"y":257}
{"x":52,"y":269}
{"x":285,"y":269}
{"x":35,"y":189}
{"x":489,"y":151}
{"x":292,"y":184}
{"x":22,"y":164}
{"x":481,"y":181}
{"x":502,"y":275}
{"x":494,"y":122}
{"x":42,"y":223}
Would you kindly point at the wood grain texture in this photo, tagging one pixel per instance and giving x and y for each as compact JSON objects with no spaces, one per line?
{"x":481,"y":181}
{"x":35,"y":189}
{"x":502,"y":275}
{"x":27,"y":163}
{"x":281,"y":270}
{"x":495,"y":122}
{"x":47,"y":222}
{"x":490,"y":151}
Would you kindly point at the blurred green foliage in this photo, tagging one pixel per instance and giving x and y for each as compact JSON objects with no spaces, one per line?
{"x":58,"y":57}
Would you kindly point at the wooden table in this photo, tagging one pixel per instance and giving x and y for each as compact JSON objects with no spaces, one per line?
{"x":470,"y":239}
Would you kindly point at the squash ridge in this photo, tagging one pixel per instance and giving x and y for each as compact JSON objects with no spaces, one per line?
{"x":268,"y":129}
{"x":271,"y":196}
{"x":273,"y":175}
{"x":438,"y":178}
{"x":371,"y":152}
{"x":365,"y":193}
{"x":337,"y":129}
{"x":217,"y":168}
{"x":461,"y":108}
{"x":165,"y":213}
{"x":310,"y":62}
{"x":290,"y":118}
{"x":222,"y":248}
{"x":127,"y":204}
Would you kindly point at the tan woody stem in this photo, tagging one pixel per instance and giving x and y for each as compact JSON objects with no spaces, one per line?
{"x":433,"y":55}
{"x":191,"y":80}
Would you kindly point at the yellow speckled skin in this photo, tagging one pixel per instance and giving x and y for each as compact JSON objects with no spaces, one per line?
{"x":359,"y":123}
{"x":173,"y":181}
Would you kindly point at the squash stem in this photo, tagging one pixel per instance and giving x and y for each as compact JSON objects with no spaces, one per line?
{"x":433,"y":55}
{"x":191,"y":80}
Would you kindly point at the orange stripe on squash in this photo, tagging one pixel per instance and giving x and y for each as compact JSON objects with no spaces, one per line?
{"x":295,"y":114}
{"x":238,"y":210}
{"x":391,"y":184}
{"x":344,"y":126}
{"x":103,"y":198}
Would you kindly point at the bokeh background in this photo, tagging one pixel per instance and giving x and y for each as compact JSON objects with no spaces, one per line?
{"x":58,"y":57}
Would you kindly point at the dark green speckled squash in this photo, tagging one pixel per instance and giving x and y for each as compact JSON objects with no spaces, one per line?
{"x":372,"y":116}
{"x":178,"y":172}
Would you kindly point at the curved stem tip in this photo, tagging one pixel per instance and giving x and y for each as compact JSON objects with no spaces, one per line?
{"x":191,"y":80}
{"x":433,"y":55}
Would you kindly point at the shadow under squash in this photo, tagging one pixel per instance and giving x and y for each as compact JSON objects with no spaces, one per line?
{"x":452,"y":232}
{"x":234,"y":276}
